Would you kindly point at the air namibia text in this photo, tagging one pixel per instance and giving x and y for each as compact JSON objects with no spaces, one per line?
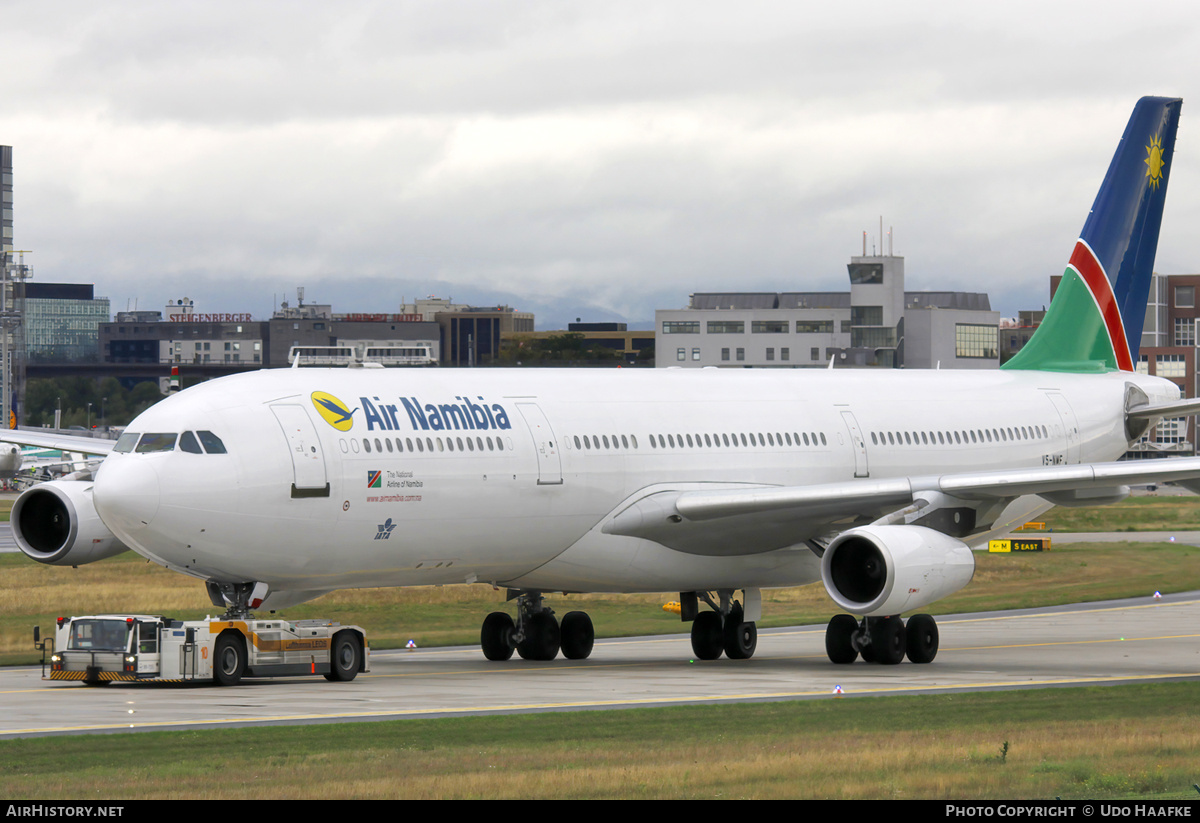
{"x":466,"y":414}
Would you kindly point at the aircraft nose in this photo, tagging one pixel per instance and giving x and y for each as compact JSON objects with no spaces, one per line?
{"x":126,"y":493}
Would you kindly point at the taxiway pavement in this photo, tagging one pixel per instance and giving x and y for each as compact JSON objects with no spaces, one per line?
{"x":1140,"y":640}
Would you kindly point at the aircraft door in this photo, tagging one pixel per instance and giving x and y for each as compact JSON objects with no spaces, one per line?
{"x":1070,"y":425}
{"x":858,"y":444}
{"x":308,"y":460}
{"x":549,"y":463}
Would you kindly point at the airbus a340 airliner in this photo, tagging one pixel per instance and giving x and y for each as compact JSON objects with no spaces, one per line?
{"x":277,"y":486}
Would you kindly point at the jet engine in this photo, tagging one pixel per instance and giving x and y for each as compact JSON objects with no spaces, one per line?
{"x":886,"y":570}
{"x":56,"y":523}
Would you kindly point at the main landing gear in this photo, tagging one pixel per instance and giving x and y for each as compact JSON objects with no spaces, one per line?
{"x":536,"y":634}
{"x":881,"y":639}
{"x":724,"y":629}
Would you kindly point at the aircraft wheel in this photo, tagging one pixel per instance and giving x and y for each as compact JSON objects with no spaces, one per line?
{"x":741,"y":638}
{"x":708,"y":640}
{"x":541,"y":638}
{"x":346,"y":657}
{"x":888,"y":640}
{"x":229,"y":659}
{"x":922,"y":638}
{"x":839,"y":639}
{"x":495,"y":636}
{"x":578,"y":635}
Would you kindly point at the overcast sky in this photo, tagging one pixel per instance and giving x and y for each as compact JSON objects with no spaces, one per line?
{"x":598,"y":159}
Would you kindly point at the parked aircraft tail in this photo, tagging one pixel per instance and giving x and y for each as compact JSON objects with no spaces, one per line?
{"x":1095,"y":321}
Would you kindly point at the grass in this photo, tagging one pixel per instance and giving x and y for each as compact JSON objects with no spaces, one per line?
{"x":1117,"y":742}
{"x":1134,"y":514}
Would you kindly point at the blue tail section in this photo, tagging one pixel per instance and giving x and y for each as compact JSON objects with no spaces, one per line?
{"x":1122,"y":229}
{"x":1095,"y":320}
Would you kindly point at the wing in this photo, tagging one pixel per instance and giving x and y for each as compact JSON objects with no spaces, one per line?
{"x":735,"y":521}
{"x":62,"y":442}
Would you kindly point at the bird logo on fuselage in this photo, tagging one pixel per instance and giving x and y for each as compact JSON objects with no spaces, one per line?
{"x":334,"y":411}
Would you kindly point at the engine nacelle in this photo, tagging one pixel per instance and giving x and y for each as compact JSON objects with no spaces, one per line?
{"x":886,"y":570}
{"x":56,"y":523}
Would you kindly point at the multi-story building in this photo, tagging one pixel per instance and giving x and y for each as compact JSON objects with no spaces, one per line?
{"x":180,"y":334}
{"x":1168,"y":350}
{"x":62,"y":322}
{"x":876,"y":324}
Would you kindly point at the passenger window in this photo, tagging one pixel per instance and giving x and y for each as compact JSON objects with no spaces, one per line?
{"x":158,"y":442}
{"x":189,"y":444}
{"x":212,"y":444}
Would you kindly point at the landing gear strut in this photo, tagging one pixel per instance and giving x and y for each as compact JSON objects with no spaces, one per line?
{"x":883,"y":640}
{"x":536,"y":634}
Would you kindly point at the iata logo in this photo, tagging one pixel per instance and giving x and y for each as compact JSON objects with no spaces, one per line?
{"x":333,"y":410}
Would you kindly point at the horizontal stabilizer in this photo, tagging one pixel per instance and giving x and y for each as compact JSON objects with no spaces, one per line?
{"x":1180,"y":408}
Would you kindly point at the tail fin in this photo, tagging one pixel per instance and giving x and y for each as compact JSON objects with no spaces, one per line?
{"x":1095,"y":320}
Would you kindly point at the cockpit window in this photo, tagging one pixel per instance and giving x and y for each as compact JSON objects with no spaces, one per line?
{"x":189,"y":444}
{"x":212,"y":443}
{"x":126,"y":442}
{"x":157,"y":442}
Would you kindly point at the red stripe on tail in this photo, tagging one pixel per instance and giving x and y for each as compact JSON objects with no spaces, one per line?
{"x":1089,"y":268}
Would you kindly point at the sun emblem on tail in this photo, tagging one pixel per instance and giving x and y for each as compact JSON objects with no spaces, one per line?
{"x":1154,"y":161}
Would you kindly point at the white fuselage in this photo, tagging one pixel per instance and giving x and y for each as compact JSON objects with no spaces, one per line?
{"x":506,"y":476}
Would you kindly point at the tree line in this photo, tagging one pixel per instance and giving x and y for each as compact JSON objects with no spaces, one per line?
{"x":111,"y":403}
